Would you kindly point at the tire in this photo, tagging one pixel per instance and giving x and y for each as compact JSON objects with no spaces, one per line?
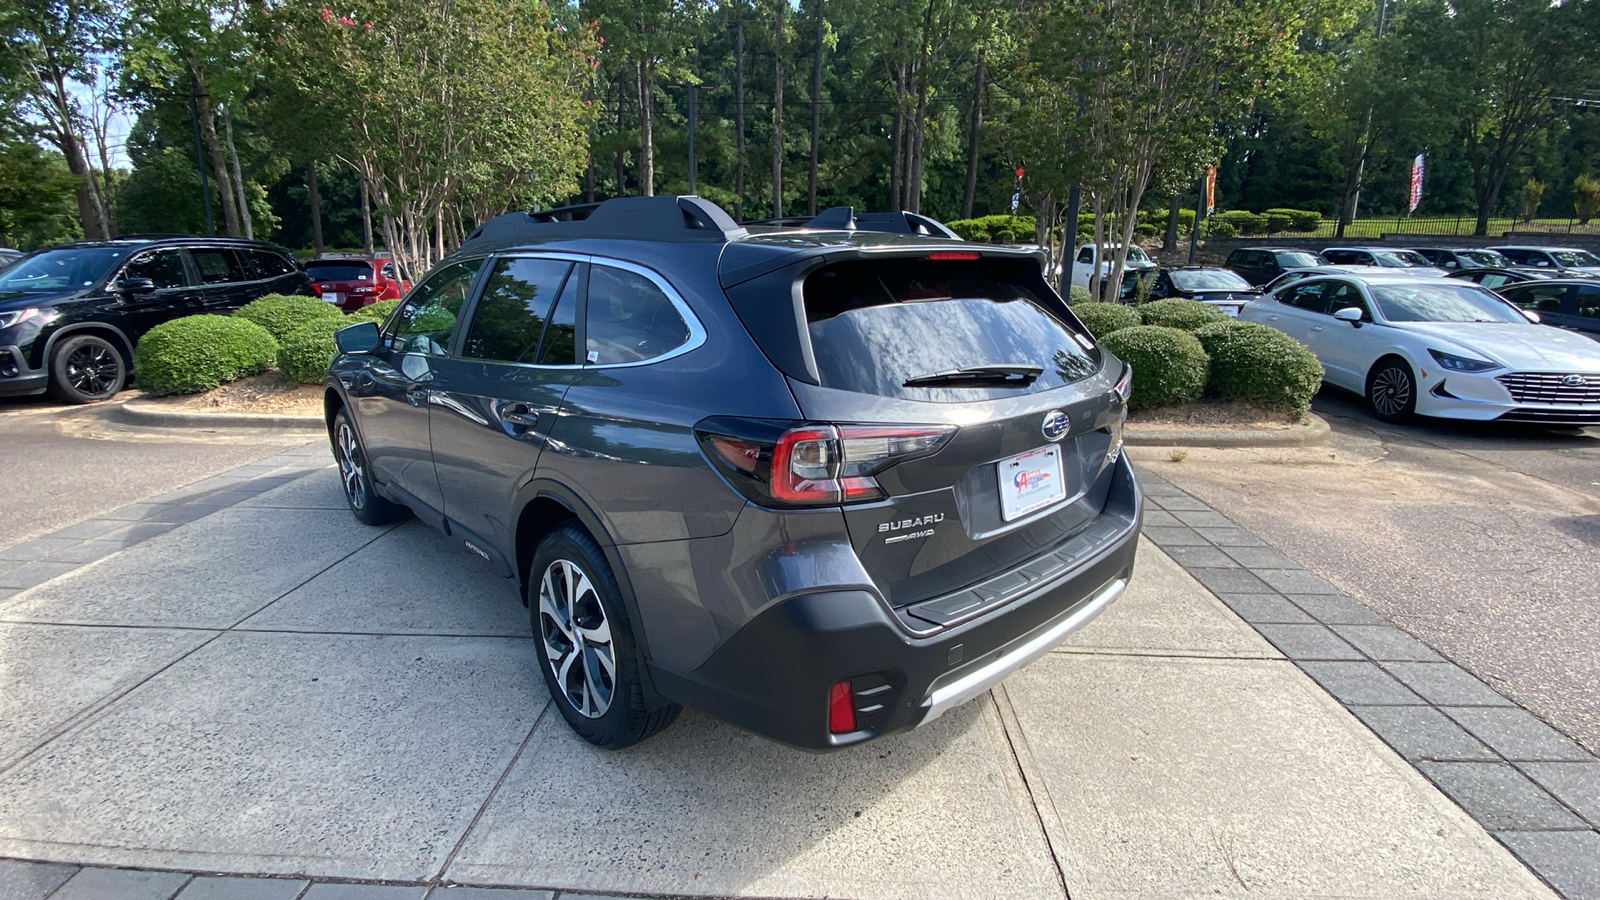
{"x":86,"y":368}
{"x":586,"y":648}
{"x":355,"y":476}
{"x":1392,"y":390}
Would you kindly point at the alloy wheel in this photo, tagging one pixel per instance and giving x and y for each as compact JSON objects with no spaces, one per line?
{"x":577,"y":638}
{"x":350,"y":468}
{"x":1391,"y":391}
{"x":93,"y":369}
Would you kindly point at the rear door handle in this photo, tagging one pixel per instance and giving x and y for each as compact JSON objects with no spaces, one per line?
{"x":520,"y":415}
{"x":1316,"y":328}
{"x":417,"y":395}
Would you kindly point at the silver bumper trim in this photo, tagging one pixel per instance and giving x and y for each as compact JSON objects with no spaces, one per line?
{"x":947,"y":697}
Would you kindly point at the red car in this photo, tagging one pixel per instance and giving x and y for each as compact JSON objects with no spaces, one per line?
{"x":352,"y":282}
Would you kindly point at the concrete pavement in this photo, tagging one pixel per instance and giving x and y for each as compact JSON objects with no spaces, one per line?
{"x":270,"y":689}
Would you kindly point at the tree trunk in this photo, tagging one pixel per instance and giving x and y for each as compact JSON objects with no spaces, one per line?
{"x":438,"y":232}
{"x":647,"y":153}
{"x":1169,"y":243}
{"x":238,"y":176}
{"x":316,"y":206}
{"x":366,"y":214}
{"x":738,"y":120}
{"x":918,"y":130}
{"x":969,"y":193}
{"x":777,"y":110}
{"x":219,"y":166}
{"x":588,"y":179}
{"x":816,"y":115}
{"x":896,"y":140}
{"x":622,"y":166}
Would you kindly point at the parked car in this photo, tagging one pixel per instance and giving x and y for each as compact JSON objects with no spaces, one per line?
{"x":1382,"y":257}
{"x":351,"y":281}
{"x":824,"y":526}
{"x":71,"y":315}
{"x":9,"y":256}
{"x":1561,"y":259}
{"x":1260,"y":265}
{"x":1223,"y":288}
{"x":1573,"y":304}
{"x":1496,"y":278}
{"x":1437,"y":347}
{"x":1294,"y":275}
{"x":1456,"y":258}
{"x":1088,"y":254}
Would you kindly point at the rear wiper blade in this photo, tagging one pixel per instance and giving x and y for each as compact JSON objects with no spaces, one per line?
{"x":1007,"y":375}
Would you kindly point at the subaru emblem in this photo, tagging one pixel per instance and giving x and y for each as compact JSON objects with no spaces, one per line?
{"x":1569,"y":381}
{"x":1055,"y":425}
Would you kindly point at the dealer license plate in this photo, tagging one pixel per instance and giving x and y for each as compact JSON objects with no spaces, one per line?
{"x":1031,"y":481}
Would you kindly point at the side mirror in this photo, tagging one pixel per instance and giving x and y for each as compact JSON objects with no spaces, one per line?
{"x":1351,"y":314}
{"x":359,"y":338}
{"x":135,"y":286}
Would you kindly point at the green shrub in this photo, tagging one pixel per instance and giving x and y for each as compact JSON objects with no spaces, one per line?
{"x":1261,"y":365}
{"x":377,"y":312}
{"x":1220,"y":228}
{"x":1169,"y":366}
{"x":1146,"y":230}
{"x":1185,"y":315}
{"x":1299,"y":219}
{"x":197,"y":353}
{"x":1076,"y":295}
{"x":1243,"y":221}
{"x":996,"y":229}
{"x":303,"y":357}
{"x":281,"y":314}
{"x":1276,"y":222}
{"x":1103,"y":318}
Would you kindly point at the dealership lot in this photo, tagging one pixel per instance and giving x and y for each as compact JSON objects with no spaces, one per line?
{"x":270,"y":689}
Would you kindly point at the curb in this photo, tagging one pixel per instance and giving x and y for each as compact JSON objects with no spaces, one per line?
{"x":139,"y":412}
{"x":1314,"y":430}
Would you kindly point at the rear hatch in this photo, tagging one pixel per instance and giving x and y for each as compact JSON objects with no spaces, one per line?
{"x":336,"y":280}
{"x":981,"y":347}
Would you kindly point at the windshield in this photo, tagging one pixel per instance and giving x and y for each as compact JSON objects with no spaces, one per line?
{"x":1401,"y":259}
{"x":1136,"y":254}
{"x":339,"y":270}
{"x":1575,"y":257}
{"x":1484,"y":258}
{"x":1298,"y":260}
{"x":67,"y":269}
{"x":1208,"y":280}
{"x":1442,"y":303}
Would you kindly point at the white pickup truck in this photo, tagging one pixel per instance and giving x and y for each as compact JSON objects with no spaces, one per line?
{"x":1088,"y":255}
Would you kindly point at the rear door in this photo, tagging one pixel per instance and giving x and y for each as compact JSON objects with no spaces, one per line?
{"x":224,"y":278}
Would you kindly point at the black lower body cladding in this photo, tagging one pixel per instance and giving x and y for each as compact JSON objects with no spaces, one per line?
{"x":774,"y":676}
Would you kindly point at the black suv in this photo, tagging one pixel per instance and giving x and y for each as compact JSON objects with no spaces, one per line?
{"x":825,"y":483}
{"x":1260,"y":265}
{"x":71,"y":315}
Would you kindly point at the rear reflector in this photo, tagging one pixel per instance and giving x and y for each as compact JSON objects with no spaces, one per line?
{"x":841,"y":712}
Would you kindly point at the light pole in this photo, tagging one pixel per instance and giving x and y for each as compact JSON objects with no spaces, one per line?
{"x":693,"y":89}
{"x":200,"y":163}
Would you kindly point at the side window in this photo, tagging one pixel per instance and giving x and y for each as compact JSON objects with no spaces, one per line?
{"x":428,"y":317}
{"x":1345,"y":295}
{"x":164,"y":267}
{"x":1305,"y":296}
{"x":628,"y":318}
{"x":1539,"y":297}
{"x":1086,"y":255}
{"x":218,"y":266}
{"x":268,"y":264}
{"x":510,"y":316}
{"x":1492,"y":279}
{"x":560,"y":347}
{"x":1588,"y":302}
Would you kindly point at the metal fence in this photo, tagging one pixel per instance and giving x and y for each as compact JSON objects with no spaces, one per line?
{"x":1463,"y":225}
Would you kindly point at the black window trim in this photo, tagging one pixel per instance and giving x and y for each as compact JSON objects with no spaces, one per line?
{"x":469,"y":309}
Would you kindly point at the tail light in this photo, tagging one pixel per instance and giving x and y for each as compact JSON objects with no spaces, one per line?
{"x":786,"y":464}
{"x":364,"y":289}
{"x":841,"y":709}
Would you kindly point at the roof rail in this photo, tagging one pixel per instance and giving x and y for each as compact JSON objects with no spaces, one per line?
{"x":684,"y":218}
{"x":845,"y":218}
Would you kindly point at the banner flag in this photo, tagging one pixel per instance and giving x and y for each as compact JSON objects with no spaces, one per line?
{"x":1416,"y":183}
{"x":1211,"y":189}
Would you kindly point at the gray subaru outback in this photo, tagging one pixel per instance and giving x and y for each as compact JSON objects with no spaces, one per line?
{"x":825,"y":482}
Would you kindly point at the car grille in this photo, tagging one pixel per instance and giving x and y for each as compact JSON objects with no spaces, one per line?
{"x":1551,"y":387}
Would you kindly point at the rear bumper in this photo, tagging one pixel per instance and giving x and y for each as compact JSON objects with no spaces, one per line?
{"x":774,"y":676}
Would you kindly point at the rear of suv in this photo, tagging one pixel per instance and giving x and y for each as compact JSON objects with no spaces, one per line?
{"x":351,"y":281}
{"x":825,"y":483}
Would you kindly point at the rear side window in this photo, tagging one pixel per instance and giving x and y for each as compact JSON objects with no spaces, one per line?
{"x":267,"y":264}
{"x":510,"y":316}
{"x":629,"y":319}
{"x":877,"y":324}
{"x":218,"y":266}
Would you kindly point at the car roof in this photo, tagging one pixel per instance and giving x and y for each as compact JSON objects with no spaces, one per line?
{"x":151,"y":240}
{"x":1533,"y":247}
{"x":1369,"y":249}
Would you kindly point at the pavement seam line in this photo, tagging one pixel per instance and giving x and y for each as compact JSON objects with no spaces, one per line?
{"x":1025,"y":764}
{"x":466,"y":833}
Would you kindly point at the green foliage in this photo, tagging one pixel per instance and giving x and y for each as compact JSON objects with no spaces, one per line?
{"x":1532,"y":194}
{"x":1261,"y":365}
{"x":996,"y":229}
{"x":376,"y":312}
{"x":1243,"y":221}
{"x":1076,"y":295}
{"x":1183,"y":314}
{"x":198,"y":353}
{"x":1586,"y":197}
{"x":432,"y":320}
{"x":303,"y":357}
{"x":1104,"y":318}
{"x":36,"y":197}
{"x":281,"y":314}
{"x":1169,"y":366}
{"x":1296,"y":219}
{"x":1219,"y":228}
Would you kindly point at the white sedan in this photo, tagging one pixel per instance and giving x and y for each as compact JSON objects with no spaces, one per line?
{"x":1437,"y":348}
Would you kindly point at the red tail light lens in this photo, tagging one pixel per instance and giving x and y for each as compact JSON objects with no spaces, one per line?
{"x":841,"y":711}
{"x":954,"y":254}
{"x":779,"y":464}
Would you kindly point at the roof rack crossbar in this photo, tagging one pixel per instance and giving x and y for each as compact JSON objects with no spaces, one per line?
{"x":669,"y":218}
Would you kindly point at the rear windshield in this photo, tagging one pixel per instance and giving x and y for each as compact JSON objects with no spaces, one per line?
{"x":339,"y":270}
{"x":1575,"y":257}
{"x":1401,"y":259}
{"x":876,"y":324}
{"x":1484,"y":258}
{"x":1298,"y":260}
{"x":1209,"y":280}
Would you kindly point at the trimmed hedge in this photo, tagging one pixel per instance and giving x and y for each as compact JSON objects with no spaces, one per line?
{"x":1169,"y":366}
{"x":1298,"y":219}
{"x":1103,"y":318}
{"x":198,"y":353}
{"x":1177,"y":312}
{"x":304,"y":355}
{"x":281,"y":314}
{"x":1261,"y":365}
{"x":1076,"y":295}
{"x":377,"y":312}
{"x":996,"y":229}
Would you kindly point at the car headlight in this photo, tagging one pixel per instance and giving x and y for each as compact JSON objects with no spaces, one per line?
{"x":16,"y":316}
{"x":1461,"y":363}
